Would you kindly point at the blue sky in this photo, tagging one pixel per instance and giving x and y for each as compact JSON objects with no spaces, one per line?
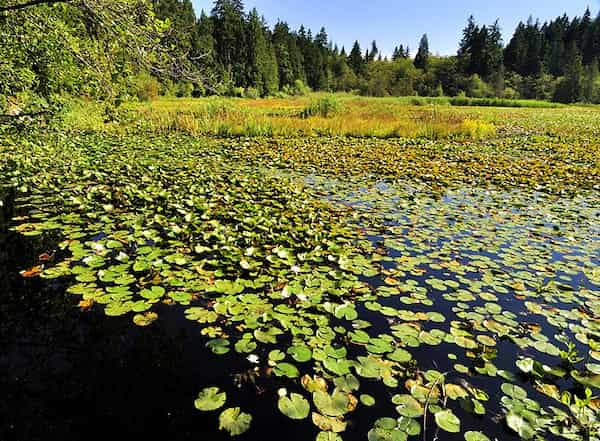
{"x":392,"y":22}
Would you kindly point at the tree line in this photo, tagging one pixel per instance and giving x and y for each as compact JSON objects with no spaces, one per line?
{"x":556,"y":60}
{"x":118,"y":49}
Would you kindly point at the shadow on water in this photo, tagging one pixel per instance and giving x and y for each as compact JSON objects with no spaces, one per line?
{"x":71,"y":375}
{"x":67,"y":375}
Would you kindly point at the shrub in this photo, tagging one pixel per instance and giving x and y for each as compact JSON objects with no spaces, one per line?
{"x":510,"y":94}
{"x":184,"y":89}
{"x":236,"y":92}
{"x":324,"y":107}
{"x":146,"y":87}
{"x":477,"y":88}
{"x":478,"y":129}
{"x":252,"y":93}
{"x":300,"y":89}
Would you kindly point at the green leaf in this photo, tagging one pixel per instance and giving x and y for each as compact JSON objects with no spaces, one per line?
{"x":518,"y":424}
{"x":513,"y":391}
{"x":408,"y":406}
{"x":294,"y":407}
{"x":234,"y":421}
{"x":446,"y":420}
{"x":400,"y":355}
{"x":286,"y":370}
{"x":367,"y":400}
{"x":334,"y":405}
{"x":210,"y":399}
{"x":300,"y":353}
{"x":218,"y":346}
{"x":328,"y":436}
{"x":475,"y":436}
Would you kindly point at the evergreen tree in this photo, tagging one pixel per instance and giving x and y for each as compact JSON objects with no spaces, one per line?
{"x":400,"y":53}
{"x":570,"y":89}
{"x":262,"y":65}
{"x":373,"y":53}
{"x":422,"y":57}
{"x":289,"y":57}
{"x":230,"y":41}
{"x":355,"y":59}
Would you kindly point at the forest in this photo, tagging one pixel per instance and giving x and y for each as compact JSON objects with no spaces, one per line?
{"x":122,"y":50}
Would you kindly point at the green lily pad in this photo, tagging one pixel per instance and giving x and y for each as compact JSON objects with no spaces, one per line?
{"x":475,"y":436}
{"x":234,"y":421}
{"x":210,"y":399}
{"x":446,"y":420}
{"x":286,"y":370}
{"x":294,"y":407}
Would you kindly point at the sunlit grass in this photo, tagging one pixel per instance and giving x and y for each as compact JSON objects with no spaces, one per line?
{"x":328,"y":115}
{"x":315,"y":115}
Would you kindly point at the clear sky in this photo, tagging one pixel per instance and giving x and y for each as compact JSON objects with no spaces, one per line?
{"x":392,"y":22}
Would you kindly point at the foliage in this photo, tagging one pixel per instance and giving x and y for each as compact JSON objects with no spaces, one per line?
{"x":324,"y":107}
{"x":94,"y":48}
{"x":104,"y":49}
{"x":374,"y":264}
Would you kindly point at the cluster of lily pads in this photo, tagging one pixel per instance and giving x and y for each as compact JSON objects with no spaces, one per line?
{"x":333,"y":286}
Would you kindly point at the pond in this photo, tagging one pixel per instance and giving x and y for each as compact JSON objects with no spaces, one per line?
{"x":134,"y":280}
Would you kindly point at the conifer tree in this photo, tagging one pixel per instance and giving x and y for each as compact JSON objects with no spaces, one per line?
{"x":355,"y":59}
{"x":230,"y":41}
{"x":422,"y":57}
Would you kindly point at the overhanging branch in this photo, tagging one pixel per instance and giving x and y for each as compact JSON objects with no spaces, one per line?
{"x":28,"y":4}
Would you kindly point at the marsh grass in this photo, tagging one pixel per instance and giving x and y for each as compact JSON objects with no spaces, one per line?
{"x":314,"y":115}
{"x":325,"y":107}
{"x":501,"y":102}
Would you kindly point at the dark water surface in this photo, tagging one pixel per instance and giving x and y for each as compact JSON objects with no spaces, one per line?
{"x":72,"y":375}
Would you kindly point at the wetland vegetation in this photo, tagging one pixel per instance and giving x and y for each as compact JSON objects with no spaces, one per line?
{"x":429,"y":285}
{"x":318,"y":266}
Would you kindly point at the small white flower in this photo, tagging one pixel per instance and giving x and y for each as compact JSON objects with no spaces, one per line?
{"x":98,"y":246}
{"x":302,"y":297}
{"x":295,"y":269}
{"x":282,"y":392}
{"x":252,"y":358}
{"x":122,"y":257}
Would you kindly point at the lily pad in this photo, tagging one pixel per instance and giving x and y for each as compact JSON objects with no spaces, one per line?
{"x":210,"y":399}
{"x":294,"y":407}
{"x":234,"y":421}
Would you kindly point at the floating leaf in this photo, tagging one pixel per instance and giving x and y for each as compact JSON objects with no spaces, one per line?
{"x":294,"y":407}
{"x":145,"y":319}
{"x":234,"y":421}
{"x":475,"y":436}
{"x":447,"y":421}
{"x":210,"y":399}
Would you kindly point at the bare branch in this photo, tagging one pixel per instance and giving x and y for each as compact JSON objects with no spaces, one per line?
{"x":28,"y":4}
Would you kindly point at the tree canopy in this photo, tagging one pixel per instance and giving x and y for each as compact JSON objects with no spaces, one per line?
{"x":116,"y":49}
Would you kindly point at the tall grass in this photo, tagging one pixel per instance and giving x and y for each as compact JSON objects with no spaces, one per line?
{"x":501,"y":102}
{"x":325,"y":107}
{"x":315,"y":115}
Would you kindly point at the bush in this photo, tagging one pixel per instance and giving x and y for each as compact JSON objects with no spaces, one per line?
{"x":237,"y":92}
{"x":478,"y":129}
{"x":477,"y":88}
{"x":184,"y":90}
{"x":252,"y":93}
{"x":324,"y":107}
{"x":510,"y":94}
{"x":300,"y":89}
{"x":499,"y":102}
{"x":146,"y":87}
